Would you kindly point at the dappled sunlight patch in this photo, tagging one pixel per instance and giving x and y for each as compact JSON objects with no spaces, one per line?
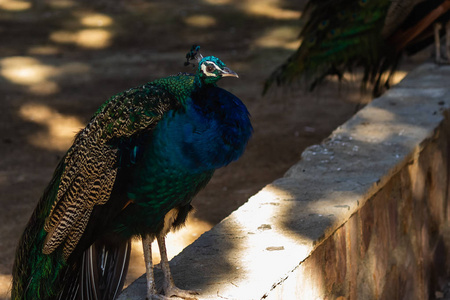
{"x":95,"y":33}
{"x":284,"y":37}
{"x":270,"y":10}
{"x":380,"y":114}
{"x":14,"y":5}
{"x":87,"y":38}
{"x":61,"y":128}
{"x":94,"y":38}
{"x":201,"y":21}
{"x":39,"y":78}
{"x":218,"y":2}
{"x":44,"y":88}
{"x":136,"y":266}
{"x":5,"y":286}
{"x":354,"y":77}
{"x":61,"y":4}
{"x":43,"y":50}
{"x":271,"y":192}
{"x":398,"y":76}
{"x":372,"y":132}
{"x":25,"y":70}
{"x":29,"y":72}
{"x":96,"y":20}
{"x":63,"y":37}
{"x":178,"y":240}
{"x":265,"y":202}
{"x":261,"y":242}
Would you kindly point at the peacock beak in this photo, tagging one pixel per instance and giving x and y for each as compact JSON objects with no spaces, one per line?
{"x":226,"y":72}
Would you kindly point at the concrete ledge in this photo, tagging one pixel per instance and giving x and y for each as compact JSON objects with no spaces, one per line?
{"x":364,"y":215}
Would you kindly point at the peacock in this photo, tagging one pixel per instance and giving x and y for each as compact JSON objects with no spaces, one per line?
{"x":340,"y":35}
{"x":131,"y":172}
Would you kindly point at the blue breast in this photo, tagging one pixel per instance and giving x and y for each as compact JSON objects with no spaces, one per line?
{"x":180,"y":157}
{"x":209,"y":133}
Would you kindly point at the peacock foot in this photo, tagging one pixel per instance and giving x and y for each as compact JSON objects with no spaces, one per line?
{"x":173,"y":292}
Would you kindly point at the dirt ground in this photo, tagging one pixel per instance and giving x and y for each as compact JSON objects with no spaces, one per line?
{"x":60,"y":59}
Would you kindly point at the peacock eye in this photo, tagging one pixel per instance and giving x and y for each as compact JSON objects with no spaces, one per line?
{"x":210,"y":68}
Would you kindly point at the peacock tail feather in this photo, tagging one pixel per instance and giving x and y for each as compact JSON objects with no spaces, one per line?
{"x":37,"y":276}
{"x":340,"y":35}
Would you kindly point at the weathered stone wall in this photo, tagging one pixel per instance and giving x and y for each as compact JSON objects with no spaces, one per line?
{"x":397,"y":246}
{"x":363,"y":215}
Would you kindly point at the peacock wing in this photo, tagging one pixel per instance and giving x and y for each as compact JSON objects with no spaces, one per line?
{"x":91,"y":164}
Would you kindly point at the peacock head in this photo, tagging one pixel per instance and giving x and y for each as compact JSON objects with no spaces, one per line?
{"x":210,"y":69}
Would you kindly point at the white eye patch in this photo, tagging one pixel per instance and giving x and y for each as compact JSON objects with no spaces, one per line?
{"x":205,"y":67}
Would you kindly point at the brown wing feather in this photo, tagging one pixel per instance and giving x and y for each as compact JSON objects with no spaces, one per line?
{"x":91,"y":164}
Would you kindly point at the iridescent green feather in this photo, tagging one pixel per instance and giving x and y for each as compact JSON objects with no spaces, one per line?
{"x":38,"y":276}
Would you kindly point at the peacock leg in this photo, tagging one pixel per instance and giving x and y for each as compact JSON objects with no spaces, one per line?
{"x":147,"y":245}
{"x":170,"y":290}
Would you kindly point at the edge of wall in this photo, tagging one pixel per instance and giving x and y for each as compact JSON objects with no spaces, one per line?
{"x":255,"y":249}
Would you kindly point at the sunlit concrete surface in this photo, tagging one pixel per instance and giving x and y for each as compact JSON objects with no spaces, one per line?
{"x":360,"y":216}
